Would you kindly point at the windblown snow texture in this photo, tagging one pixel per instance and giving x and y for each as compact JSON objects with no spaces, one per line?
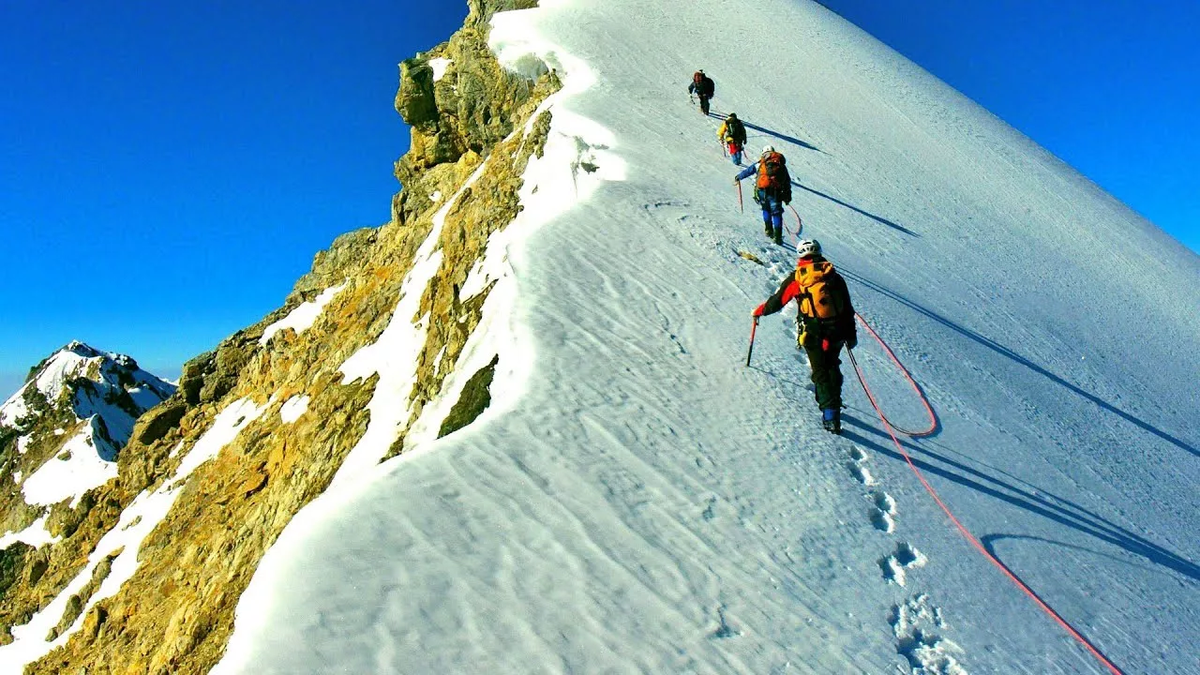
{"x":646,"y":503}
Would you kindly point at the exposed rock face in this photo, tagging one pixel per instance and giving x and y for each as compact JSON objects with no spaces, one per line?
{"x":232,"y":468}
{"x":60,"y":436}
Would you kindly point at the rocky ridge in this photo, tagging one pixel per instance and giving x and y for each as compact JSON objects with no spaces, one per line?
{"x":148,"y":577}
{"x":60,"y":437}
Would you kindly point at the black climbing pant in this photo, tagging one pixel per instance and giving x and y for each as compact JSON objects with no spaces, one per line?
{"x":826,"y":375}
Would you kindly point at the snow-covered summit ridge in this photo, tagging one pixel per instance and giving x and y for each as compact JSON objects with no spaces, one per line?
{"x":90,"y":383}
{"x":69,"y":421}
{"x":650,"y":504}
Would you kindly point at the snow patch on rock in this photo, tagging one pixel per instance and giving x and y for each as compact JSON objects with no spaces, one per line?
{"x":394,"y":355}
{"x":35,"y":535}
{"x":439,"y":67}
{"x":293,"y":408}
{"x":302,"y":317}
{"x":136,"y":522}
{"x":75,"y":469}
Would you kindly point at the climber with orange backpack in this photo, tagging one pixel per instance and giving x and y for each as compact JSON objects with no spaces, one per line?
{"x":824,"y":322}
{"x":772,"y":190}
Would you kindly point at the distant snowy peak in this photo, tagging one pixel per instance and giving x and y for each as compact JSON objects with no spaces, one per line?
{"x":89,"y":383}
{"x":66,"y":426}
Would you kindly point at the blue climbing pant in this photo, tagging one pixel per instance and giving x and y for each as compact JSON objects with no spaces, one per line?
{"x":772,"y":209}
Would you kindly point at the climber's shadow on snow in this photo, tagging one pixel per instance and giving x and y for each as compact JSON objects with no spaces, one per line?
{"x":1005,"y":351}
{"x":781,"y":378}
{"x":879,"y":219}
{"x":783,"y":137}
{"x":1032,"y":499}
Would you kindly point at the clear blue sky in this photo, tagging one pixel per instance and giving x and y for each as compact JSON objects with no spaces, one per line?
{"x":1112,"y":87}
{"x":169,"y":169}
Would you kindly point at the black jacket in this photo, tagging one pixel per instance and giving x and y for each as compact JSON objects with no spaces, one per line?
{"x":704,"y":88}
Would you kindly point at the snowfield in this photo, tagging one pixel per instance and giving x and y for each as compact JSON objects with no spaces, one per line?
{"x":638,"y":500}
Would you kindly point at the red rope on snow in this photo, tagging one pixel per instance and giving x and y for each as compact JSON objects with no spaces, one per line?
{"x":933,"y":421}
{"x":892,"y":429}
{"x":799,"y":223}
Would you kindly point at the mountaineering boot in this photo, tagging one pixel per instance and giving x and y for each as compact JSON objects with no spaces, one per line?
{"x":831,"y":419}
{"x":778,"y":237}
{"x":769,"y":230}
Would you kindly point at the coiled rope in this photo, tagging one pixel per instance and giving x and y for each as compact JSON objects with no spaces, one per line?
{"x":933,"y":425}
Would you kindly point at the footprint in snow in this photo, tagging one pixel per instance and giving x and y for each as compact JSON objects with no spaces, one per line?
{"x":905,"y":558}
{"x":916,"y":625}
{"x":723,"y":630}
{"x":857,"y":466}
{"x":861,"y":473}
{"x":883,"y":511}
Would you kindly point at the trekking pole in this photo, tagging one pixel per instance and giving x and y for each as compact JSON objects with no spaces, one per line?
{"x":753,"y":329}
{"x":741,"y":209}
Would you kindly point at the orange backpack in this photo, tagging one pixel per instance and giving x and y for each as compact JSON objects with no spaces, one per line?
{"x":771,"y":171}
{"x":818,"y":299}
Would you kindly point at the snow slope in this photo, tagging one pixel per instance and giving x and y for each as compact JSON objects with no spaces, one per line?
{"x":640,"y":501}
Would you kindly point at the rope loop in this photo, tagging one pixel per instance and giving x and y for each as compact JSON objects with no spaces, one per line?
{"x":975,"y":543}
{"x":933,"y":420}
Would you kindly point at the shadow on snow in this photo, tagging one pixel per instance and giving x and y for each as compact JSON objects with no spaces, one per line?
{"x":783,"y":137}
{"x":879,"y":219}
{"x":1017,"y":358}
{"x":1034,"y":500}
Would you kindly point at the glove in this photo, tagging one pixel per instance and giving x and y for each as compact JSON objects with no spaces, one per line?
{"x":758,"y":311}
{"x":852,"y":342}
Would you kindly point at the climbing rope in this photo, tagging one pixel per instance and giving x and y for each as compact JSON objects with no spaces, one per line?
{"x":933,"y":421}
{"x":799,"y":223}
{"x":893,"y":430}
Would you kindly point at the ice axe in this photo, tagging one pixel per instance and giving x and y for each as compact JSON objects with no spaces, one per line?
{"x":741,"y":209}
{"x":750,"y":352}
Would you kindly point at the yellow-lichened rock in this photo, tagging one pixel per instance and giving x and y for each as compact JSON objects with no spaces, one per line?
{"x":176,"y":613}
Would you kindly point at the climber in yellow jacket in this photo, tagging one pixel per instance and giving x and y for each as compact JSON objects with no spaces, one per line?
{"x":733,"y":134}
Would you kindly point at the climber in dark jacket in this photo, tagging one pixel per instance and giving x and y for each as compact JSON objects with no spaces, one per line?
{"x":703,"y":88}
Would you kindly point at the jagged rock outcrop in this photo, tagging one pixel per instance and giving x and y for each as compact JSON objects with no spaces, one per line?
{"x":262,"y":424}
{"x":60,"y":439}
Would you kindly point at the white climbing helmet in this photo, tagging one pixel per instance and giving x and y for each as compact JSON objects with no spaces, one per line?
{"x":768,"y":148}
{"x":807,"y":248}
